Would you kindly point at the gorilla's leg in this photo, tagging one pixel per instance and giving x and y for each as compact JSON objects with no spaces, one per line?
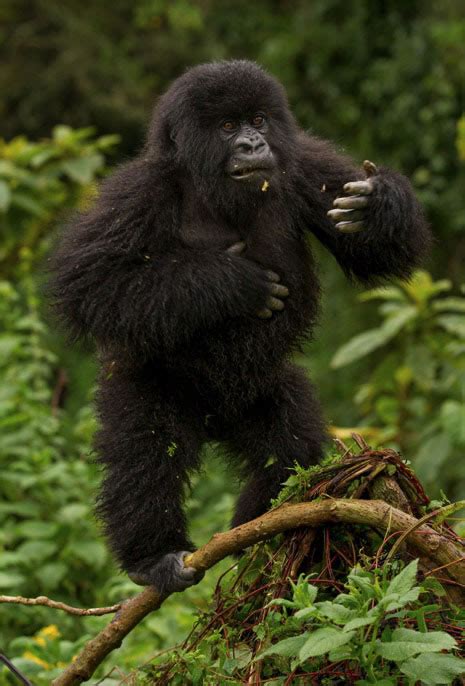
{"x":284,"y":427}
{"x":148,"y":446}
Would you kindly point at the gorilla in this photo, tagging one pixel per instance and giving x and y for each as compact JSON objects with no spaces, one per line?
{"x":193,"y":274}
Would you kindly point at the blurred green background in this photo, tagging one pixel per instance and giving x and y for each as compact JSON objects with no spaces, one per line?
{"x":385,"y":79}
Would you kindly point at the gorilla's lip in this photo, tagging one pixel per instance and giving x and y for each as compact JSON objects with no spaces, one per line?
{"x":248,"y":172}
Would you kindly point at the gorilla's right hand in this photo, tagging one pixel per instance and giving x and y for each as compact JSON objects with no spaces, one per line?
{"x":274,"y":292}
{"x":168,"y":575}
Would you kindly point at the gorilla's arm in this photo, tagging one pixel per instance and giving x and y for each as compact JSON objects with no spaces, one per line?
{"x":389,"y":236}
{"x":121,"y":274}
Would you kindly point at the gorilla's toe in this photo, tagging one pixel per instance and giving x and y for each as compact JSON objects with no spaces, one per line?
{"x":169,"y":574}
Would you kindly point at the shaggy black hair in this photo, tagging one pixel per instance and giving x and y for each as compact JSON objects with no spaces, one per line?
{"x":184,"y":359}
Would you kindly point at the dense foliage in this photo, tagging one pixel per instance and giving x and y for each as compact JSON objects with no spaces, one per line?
{"x":385,"y":79}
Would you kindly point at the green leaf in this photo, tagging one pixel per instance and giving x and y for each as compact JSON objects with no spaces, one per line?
{"x":359,"y":346}
{"x":406,"y":643}
{"x":433,"y":670}
{"x":73,"y":512}
{"x":388,"y":293}
{"x":5,"y":196}
{"x":11,"y":580}
{"x":82,"y":169}
{"x":452,"y":417}
{"x":323,"y":641}
{"x":452,"y":304}
{"x":93,"y":553}
{"x":51,"y":575}
{"x":289,"y":647}
{"x":334,"y":611}
{"x":37,"y":551}
{"x":431,"y":457}
{"x":453,"y":323}
{"x":27,"y":204}
{"x":358,"y":622}
{"x":37,"y":529}
{"x":405,"y":580}
{"x":364,"y":343}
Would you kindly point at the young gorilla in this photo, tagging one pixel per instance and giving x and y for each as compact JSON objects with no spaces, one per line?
{"x":193,"y":275}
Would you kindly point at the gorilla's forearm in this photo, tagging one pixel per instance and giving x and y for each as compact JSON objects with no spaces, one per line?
{"x":154,"y":304}
{"x":395,"y":239}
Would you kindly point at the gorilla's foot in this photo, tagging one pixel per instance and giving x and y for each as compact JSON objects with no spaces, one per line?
{"x":168,"y":575}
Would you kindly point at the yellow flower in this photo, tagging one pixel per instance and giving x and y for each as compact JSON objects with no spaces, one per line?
{"x":33,"y":658}
{"x":50,"y":631}
{"x":40,"y":640}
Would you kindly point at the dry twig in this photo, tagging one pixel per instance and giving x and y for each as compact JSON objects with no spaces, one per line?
{"x":57,"y":605}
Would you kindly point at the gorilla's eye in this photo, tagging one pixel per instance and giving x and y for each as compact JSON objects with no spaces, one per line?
{"x":229,"y":125}
{"x":258,"y":120}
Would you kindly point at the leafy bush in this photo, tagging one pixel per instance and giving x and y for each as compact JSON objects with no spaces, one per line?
{"x":414,"y":395}
{"x":39,"y":180}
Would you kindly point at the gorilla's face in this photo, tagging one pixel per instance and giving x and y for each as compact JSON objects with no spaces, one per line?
{"x":250,"y":159}
{"x":226,"y":129}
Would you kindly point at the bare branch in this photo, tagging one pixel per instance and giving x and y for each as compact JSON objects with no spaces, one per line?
{"x":57,"y":605}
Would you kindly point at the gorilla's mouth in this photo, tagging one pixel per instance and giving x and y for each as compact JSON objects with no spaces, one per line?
{"x":249,"y":172}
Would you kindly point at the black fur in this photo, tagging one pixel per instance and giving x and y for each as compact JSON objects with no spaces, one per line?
{"x":185,"y":360}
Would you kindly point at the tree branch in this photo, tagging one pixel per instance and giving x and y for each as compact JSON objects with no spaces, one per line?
{"x":57,"y":605}
{"x":374,"y":513}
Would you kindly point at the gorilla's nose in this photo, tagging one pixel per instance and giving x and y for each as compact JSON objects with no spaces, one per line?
{"x":246,"y":145}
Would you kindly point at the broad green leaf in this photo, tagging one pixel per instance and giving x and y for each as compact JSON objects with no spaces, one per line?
{"x":28,"y":204}
{"x":82,"y":169}
{"x":10,"y":581}
{"x":406,"y":643}
{"x":421,"y":286}
{"x":451,"y":304}
{"x":37,"y":529}
{"x":388,"y":293}
{"x":334,"y":611}
{"x":364,"y":343}
{"x":289,"y":647}
{"x":92,"y":552}
{"x":453,"y":323}
{"x":37,"y":551}
{"x":358,"y":622}
{"x":5,"y":196}
{"x":9,"y":345}
{"x":405,"y":580}
{"x":73,"y":512}
{"x":359,"y":346}
{"x":52,"y":574}
{"x":323,"y":641}
{"x":431,"y":456}
{"x":452,"y":418}
{"x":433,"y":670}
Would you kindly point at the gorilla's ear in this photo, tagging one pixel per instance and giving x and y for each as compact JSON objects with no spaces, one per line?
{"x":161,"y":135}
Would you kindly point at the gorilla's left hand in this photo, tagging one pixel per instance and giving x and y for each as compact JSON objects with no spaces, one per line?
{"x":349,"y":212}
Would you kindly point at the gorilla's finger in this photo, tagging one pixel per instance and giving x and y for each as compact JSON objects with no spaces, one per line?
{"x":345,"y":215}
{"x":275,"y":304}
{"x":370,"y":168}
{"x":265,"y":313}
{"x":353,"y":202}
{"x":279,"y":290}
{"x":236,"y":248}
{"x":272,"y":276}
{"x":359,"y":187}
{"x":350,"y":227}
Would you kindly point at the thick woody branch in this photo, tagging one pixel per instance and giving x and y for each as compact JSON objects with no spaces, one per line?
{"x":373,"y":513}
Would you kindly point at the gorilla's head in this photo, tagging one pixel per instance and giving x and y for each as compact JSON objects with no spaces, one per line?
{"x":228,"y":127}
